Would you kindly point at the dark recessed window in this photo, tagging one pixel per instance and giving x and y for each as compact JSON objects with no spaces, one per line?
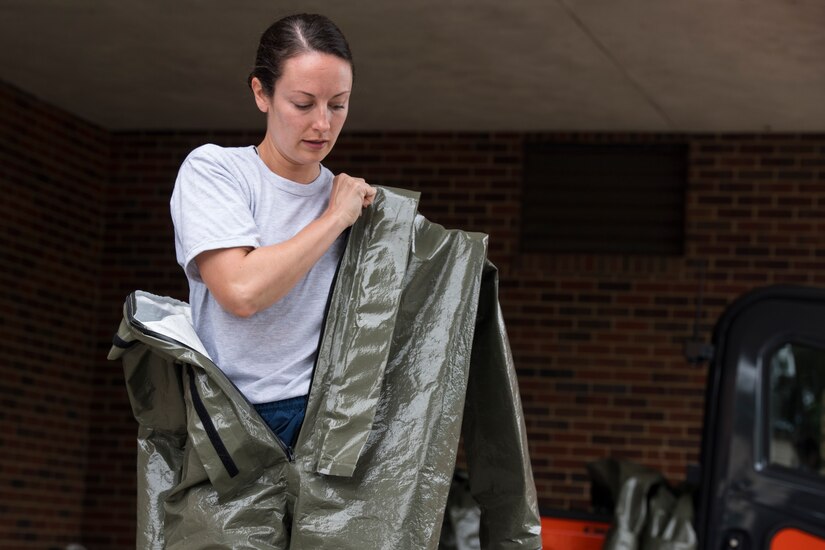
{"x":604,"y":198}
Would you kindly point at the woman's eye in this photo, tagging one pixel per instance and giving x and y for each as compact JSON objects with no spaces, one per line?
{"x":339,"y":107}
{"x":303,"y":106}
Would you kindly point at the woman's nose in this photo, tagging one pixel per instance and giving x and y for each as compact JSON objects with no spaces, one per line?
{"x":321,"y":121}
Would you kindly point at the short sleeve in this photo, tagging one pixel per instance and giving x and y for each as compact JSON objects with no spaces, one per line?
{"x":211,"y":208}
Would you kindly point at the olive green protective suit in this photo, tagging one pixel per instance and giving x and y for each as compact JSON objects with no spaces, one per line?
{"x":414,"y":352}
{"x":647,"y":513}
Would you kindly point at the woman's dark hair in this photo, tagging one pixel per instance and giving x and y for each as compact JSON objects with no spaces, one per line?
{"x":294,"y":35}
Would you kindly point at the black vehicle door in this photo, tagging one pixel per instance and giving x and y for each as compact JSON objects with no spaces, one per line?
{"x":763,"y":455}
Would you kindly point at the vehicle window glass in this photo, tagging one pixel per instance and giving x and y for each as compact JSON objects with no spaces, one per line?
{"x":796,"y":436}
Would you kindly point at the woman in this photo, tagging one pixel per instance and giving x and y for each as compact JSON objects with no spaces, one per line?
{"x":258,"y":230}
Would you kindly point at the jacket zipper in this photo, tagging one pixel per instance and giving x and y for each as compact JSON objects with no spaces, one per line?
{"x":209,"y":426}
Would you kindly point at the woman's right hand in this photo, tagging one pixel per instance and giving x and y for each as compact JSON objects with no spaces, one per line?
{"x":349,"y":197}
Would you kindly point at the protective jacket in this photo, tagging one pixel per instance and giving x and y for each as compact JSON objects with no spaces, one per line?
{"x":413,"y":354}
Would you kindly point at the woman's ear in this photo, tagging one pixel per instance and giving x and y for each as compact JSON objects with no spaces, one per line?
{"x":261,"y":99}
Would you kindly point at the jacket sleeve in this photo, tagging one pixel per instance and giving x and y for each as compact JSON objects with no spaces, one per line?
{"x":495,"y":438}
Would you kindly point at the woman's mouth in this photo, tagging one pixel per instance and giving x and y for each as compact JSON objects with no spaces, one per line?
{"x":315,"y":144}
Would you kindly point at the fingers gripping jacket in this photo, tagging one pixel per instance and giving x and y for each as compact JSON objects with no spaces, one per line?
{"x":414,"y":353}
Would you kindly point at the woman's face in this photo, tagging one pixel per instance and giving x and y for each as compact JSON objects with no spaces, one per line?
{"x":305,"y":113}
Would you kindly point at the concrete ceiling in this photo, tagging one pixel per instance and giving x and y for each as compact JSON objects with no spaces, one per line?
{"x":535,"y":65}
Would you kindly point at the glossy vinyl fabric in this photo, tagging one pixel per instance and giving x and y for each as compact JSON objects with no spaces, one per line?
{"x":648,"y":514}
{"x":414,"y":354}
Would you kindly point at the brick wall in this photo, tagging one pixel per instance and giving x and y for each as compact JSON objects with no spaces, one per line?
{"x":597,"y":339}
{"x":53,"y":171}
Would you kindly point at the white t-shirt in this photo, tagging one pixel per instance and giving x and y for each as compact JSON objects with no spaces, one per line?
{"x":227,"y":197}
